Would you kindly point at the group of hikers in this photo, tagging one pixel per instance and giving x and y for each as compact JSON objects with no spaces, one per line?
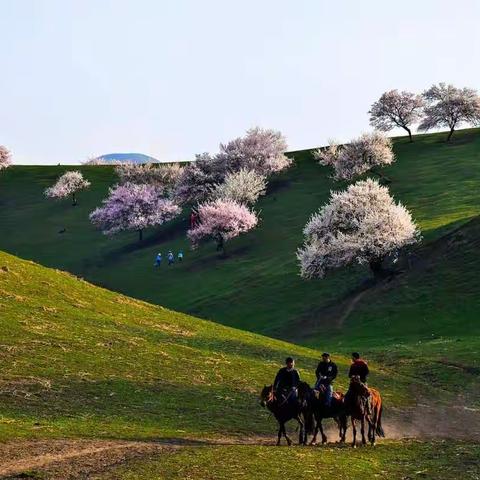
{"x":291,"y":398}
{"x":170,"y":258}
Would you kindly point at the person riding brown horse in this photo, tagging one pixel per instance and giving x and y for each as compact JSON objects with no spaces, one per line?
{"x":364,"y":404}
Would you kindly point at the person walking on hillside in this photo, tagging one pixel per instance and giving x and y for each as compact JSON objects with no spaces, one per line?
{"x":326,"y":373}
{"x":170,"y":257}
{"x":193,"y":219}
{"x":180,"y":256}
{"x":158,"y":260}
{"x":358,"y":367}
{"x":287,"y":380}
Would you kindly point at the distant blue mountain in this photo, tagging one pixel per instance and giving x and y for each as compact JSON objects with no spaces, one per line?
{"x":128,"y":157}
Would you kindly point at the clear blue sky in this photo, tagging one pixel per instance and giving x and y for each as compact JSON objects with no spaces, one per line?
{"x":173,"y":78}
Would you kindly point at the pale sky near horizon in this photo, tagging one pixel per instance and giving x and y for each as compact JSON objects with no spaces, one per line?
{"x":81,"y":78}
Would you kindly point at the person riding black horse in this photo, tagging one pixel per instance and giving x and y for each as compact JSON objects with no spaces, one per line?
{"x":326,"y":373}
{"x":286,"y":381}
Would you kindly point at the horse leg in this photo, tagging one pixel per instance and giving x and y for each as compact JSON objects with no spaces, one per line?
{"x":280,"y":430}
{"x":372,"y":426}
{"x":302,"y":435}
{"x":315,"y":433}
{"x":354,"y":433}
{"x":289,"y":442}
{"x":362,"y":429}
{"x":343,"y":428}
{"x":324,"y":437}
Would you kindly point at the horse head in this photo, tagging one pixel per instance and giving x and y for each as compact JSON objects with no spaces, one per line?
{"x":267,"y":395}
{"x":303,"y":393}
{"x":357,"y":386}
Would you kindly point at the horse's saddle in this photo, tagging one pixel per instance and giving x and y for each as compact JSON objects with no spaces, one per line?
{"x":337,"y":396}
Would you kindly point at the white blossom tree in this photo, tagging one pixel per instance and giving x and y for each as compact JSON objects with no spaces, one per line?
{"x":221,"y":220}
{"x":261,"y":150}
{"x":244,"y":186}
{"x":5,"y":157}
{"x":396,"y":109}
{"x":449,"y":106}
{"x":68,"y":185}
{"x":133,"y":207}
{"x":362,"y":154}
{"x":360,"y":225}
{"x":164,"y":176}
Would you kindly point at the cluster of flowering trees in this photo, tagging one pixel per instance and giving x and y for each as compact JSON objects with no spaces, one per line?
{"x":441,"y":105}
{"x":68,"y":185}
{"x":228,"y":184}
{"x":222,"y":188}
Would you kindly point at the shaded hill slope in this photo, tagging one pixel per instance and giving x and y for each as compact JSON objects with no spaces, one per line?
{"x":257,"y":286}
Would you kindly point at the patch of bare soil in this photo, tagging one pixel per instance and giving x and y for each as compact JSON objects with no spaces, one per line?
{"x":69,"y":459}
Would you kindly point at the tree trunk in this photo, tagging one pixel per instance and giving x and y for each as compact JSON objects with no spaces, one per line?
{"x":74,"y":199}
{"x":450,"y":134}
{"x":140,"y":235}
{"x":377,"y":268}
{"x":221,"y":245}
{"x":409,"y":134}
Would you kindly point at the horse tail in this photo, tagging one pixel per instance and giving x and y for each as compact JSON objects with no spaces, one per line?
{"x":379,"y":429}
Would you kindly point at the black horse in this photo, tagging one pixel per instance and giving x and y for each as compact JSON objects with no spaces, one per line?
{"x":314,"y":403}
{"x":284,"y":410}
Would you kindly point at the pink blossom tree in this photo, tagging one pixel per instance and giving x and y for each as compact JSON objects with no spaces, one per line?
{"x":197,"y":180}
{"x":68,"y":185}
{"x":362,"y":154}
{"x":449,"y":106}
{"x":396,"y":109}
{"x":360,"y":225}
{"x":133,"y":207}
{"x":5,"y":157}
{"x":221,"y":220}
{"x":261,"y":150}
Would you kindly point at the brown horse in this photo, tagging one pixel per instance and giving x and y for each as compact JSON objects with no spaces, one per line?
{"x":284,"y":410}
{"x":364,"y":404}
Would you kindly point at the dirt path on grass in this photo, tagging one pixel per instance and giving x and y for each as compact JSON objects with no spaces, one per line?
{"x":64,"y":459}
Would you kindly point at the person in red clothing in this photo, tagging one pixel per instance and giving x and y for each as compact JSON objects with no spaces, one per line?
{"x":193,"y":219}
{"x":358,"y":367}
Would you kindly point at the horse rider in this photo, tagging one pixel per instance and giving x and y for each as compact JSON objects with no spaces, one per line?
{"x":326,"y":373}
{"x":287,"y":380}
{"x":358,"y":367}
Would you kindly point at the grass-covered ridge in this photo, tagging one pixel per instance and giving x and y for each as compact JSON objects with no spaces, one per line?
{"x":257,"y":287}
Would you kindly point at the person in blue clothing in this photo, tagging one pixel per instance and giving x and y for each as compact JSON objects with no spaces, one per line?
{"x":170,"y":257}
{"x":180,"y":256}
{"x":158,"y":260}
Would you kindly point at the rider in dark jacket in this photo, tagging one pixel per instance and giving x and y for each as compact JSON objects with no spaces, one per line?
{"x":359,"y":367}
{"x":326,"y":373}
{"x":287,"y":379}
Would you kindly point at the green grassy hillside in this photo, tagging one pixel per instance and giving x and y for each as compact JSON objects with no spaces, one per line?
{"x":79,"y":361}
{"x":257,"y":286}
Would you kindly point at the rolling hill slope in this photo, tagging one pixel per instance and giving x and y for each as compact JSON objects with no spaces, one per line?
{"x":257,"y":286}
{"x":95,"y":384}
